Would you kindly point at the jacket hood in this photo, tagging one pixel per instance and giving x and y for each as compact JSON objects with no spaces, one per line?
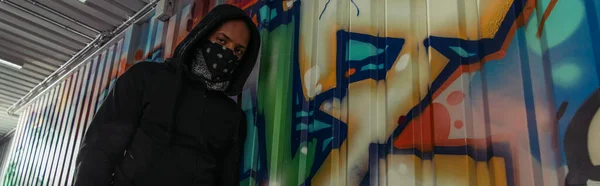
{"x":215,"y":18}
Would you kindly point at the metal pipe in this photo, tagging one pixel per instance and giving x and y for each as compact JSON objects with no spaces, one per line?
{"x":70,"y":66}
{"x":14,"y":5}
{"x":42,"y":6}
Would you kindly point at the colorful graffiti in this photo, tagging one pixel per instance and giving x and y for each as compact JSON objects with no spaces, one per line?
{"x":359,"y":92}
{"x":49,"y":133}
{"x":356,"y":92}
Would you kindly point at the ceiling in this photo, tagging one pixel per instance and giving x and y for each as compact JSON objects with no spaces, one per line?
{"x":42,"y":35}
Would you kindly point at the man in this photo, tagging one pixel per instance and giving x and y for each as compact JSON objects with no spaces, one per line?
{"x":173,"y":123}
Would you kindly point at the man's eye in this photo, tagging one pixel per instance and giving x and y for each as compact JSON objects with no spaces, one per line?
{"x":221,"y":41}
{"x":238,"y":51}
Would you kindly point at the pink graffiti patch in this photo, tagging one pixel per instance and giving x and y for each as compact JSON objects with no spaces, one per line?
{"x":458,"y":124}
{"x":455,"y":97}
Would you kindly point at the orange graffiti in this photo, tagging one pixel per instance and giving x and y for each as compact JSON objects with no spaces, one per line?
{"x":545,"y":17}
{"x":255,"y":20}
{"x":425,"y":130}
{"x":350,"y":72}
{"x":139,"y":55}
{"x":199,"y":9}
{"x":243,"y":4}
{"x":122,"y":66}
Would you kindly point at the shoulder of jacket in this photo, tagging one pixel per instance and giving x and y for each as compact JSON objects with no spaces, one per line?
{"x":145,"y":65}
{"x":144,"y":72}
{"x":149,"y":68}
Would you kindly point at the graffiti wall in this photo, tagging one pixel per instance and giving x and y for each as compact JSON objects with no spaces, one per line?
{"x":363,"y":92}
{"x":50,"y":130}
{"x":437,"y":92}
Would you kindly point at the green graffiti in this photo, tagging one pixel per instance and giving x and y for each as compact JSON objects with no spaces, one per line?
{"x":556,"y":30}
{"x":275,"y":104}
{"x":316,"y":126}
{"x":567,"y":74}
{"x":263,"y":13}
{"x":360,"y":50}
{"x":251,"y":143}
{"x":11,"y":174}
{"x":273,"y":13}
{"x":461,"y":51}
{"x":372,"y":67}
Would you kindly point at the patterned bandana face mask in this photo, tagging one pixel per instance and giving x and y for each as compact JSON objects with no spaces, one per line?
{"x":220,"y":60}
{"x":199,"y":68}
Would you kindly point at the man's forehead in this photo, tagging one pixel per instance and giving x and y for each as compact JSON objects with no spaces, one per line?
{"x":235,"y":29}
{"x":234,"y":26}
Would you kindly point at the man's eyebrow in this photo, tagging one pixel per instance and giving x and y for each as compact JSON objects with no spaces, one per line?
{"x":227,"y":37}
{"x":224,"y":35}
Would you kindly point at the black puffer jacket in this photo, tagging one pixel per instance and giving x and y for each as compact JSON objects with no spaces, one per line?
{"x":160,"y":126}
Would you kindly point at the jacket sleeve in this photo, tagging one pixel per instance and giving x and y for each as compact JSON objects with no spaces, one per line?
{"x":111,"y":130}
{"x":231,"y":164}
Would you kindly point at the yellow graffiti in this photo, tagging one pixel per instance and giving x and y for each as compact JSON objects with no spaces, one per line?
{"x":371,"y":107}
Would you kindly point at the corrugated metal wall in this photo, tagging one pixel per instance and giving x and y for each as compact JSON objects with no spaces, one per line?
{"x":5,"y":146}
{"x":48,"y":136}
{"x":394,"y":92}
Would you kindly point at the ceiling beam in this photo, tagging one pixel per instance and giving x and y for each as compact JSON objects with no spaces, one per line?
{"x":69,"y":41}
{"x":119,"y":9}
{"x":15,"y":87}
{"x":5,"y":28}
{"x":10,"y":74}
{"x":69,"y":11}
{"x":26,"y":70}
{"x":9,"y":98}
{"x":133,"y":5}
{"x":37,"y":66}
{"x":58,"y":17}
{"x":41,"y":20}
{"x":93,"y":10}
{"x":25,"y":43}
{"x":5,"y":102}
{"x":31,"y":52}
{"x":25,"y":57}
{"x":35,"y":44}
{"x":12,"y":92}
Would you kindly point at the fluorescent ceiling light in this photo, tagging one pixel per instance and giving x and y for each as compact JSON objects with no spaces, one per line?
{"x":10,"y":64}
